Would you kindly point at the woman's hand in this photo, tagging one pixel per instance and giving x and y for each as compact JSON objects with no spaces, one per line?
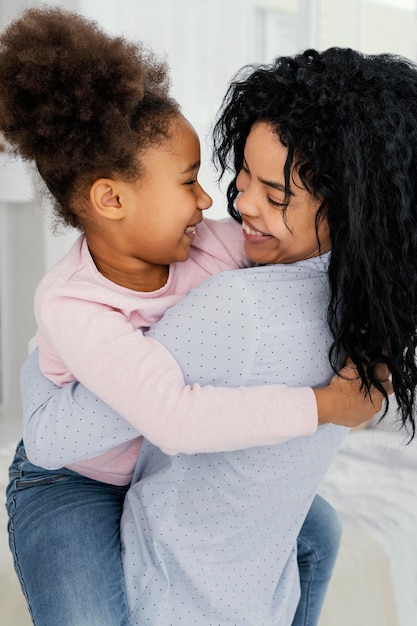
{"x":344,"y":403}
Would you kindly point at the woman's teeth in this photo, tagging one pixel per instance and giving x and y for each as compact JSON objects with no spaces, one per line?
{"x":249,"y":231}
{"x":190,"y":230}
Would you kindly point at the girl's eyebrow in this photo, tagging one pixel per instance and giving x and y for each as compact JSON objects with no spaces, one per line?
{"x":191,"y":168}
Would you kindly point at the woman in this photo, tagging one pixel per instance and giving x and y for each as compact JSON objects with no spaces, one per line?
{"x":319,"y":145}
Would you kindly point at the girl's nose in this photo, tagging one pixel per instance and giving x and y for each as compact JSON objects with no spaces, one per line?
{"x":204,"y":201}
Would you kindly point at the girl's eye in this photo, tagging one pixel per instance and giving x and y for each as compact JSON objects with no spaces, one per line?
{"x":191,"y":182}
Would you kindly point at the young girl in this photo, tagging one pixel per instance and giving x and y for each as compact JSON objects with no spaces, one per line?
{"x":121,"y":162}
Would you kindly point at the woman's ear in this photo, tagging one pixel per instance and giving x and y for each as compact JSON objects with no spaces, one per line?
{"x":105,"y":199}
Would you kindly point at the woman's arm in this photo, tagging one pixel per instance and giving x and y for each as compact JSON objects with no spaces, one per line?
{"x":66,"y":425}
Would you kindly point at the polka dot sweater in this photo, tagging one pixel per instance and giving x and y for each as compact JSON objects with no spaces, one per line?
{"x":210,"y":539}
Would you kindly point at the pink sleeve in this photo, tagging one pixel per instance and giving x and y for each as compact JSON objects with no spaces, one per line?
{"x":219,"y":245}
{"x":140,"y":380}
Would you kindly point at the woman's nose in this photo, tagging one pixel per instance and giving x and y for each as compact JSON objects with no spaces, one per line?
{"x":245,"y":202}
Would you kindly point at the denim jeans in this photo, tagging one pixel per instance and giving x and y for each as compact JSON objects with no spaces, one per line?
{"x":65,"y":540}
{"x":317,"y":548}
{"x":64,"y":536}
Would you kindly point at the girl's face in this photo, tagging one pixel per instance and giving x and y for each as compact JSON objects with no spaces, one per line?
{"x":160,"y":212}
{"x":141,"y":227}
{"x":167,"y":201}
{"x":270,"y":236}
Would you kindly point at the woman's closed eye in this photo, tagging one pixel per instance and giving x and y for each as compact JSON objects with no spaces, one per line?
{"x":274,"y":203}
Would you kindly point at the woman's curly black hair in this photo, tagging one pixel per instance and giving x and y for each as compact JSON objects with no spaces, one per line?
{"x":349,"y":122}
{"x":79,"y":103}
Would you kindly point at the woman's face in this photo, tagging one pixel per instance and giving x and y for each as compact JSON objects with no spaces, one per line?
{"x":271,"y":234}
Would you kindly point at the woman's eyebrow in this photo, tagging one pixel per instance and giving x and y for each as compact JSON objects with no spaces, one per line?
{"x":274,"y":185}
{"x":269,"y":183}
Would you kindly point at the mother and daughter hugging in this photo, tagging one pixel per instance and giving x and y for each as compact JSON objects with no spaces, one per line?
{"x":194,"y":378}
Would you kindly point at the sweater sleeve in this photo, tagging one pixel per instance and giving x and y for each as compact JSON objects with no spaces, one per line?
{"x":66,"y":425}
{"x":140,"y":380}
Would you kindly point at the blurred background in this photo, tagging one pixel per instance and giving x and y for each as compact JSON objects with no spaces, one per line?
{"x":205,"y":42}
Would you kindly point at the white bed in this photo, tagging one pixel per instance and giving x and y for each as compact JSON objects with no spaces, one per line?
{"x":373,"y":485}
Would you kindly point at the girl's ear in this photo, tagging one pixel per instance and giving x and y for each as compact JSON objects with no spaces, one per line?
{"x":105,"y":200}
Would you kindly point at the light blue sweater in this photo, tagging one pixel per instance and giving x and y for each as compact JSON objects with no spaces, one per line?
{"x":210,"y":539}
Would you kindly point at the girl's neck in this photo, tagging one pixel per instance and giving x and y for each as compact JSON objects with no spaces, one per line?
{"x":151,"y":278}
{"x":130,"y":272}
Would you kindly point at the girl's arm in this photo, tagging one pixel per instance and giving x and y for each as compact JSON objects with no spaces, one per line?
{"x":138,"y":378}
{"x":64,"y":425}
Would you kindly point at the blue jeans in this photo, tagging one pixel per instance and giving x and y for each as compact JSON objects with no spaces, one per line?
{"x":64,"y":536}
{"x":317,"y":548}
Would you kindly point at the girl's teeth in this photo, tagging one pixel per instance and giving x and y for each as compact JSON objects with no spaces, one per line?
{"x":190,"y":229}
